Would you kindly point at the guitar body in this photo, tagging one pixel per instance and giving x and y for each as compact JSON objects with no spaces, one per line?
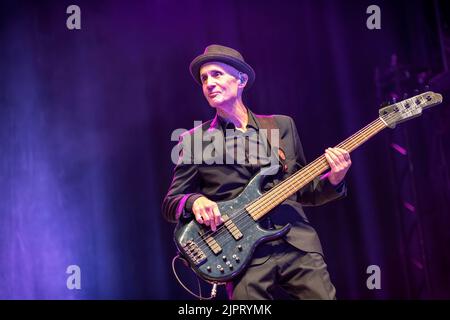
{"x":221,"y":255}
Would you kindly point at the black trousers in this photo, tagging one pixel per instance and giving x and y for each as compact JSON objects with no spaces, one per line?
{"x":278,"y":267}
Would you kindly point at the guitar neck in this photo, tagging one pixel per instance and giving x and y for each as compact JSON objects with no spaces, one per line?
{"x":301,"y":178}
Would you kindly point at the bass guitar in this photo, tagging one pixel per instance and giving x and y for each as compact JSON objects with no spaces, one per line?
{"x":221,"y":255}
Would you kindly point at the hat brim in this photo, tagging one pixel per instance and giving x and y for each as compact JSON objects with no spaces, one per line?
{"x":239,"y":65}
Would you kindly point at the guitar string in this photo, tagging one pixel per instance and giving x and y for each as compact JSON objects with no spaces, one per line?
{"x":286,"y":186}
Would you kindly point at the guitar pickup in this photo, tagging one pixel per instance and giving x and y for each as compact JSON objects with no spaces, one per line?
{"x":211,"y":242}
{"x":232,"y":228}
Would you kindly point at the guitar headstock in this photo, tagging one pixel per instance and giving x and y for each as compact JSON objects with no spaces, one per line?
{"x":409,"y":108}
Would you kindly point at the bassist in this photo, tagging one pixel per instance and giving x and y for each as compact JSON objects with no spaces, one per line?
{"x":293,"y":263}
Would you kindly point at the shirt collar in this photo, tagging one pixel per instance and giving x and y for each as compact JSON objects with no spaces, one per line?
{"x":224,"y":124}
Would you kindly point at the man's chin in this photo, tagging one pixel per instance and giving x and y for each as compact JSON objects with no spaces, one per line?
{"x":215,"y":104}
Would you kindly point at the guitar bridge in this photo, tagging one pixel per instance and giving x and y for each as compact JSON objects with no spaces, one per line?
{"x":194,"y":252}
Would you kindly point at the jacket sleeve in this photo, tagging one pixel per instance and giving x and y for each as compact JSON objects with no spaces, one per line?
{"x":320,"y":190}
{"x":183,"y":190}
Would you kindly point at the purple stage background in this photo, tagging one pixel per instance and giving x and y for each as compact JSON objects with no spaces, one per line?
{"x":86,"y":118}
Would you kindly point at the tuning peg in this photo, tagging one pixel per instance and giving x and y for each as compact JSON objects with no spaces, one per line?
{"x":405,"y":96}
{"x":427,"y":87}
{"x":416,"y":91}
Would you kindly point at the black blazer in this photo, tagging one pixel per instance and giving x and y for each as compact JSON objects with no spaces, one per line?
{"x":191,"y":181}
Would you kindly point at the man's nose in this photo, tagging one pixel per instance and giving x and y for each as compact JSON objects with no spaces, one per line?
{"x":209,"y":83}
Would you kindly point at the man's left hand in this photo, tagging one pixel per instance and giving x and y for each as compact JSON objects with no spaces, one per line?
{"x":339,"y":161}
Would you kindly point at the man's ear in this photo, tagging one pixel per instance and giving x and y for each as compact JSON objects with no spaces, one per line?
{"x":243,"y":78}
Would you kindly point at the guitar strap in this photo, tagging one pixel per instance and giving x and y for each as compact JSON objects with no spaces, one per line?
{"x":269,"y":123}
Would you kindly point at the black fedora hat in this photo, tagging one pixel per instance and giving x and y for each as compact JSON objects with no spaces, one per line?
{"x":218,"y":53}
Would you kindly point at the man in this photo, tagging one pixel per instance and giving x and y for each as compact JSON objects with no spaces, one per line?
{"x":295,"y":262}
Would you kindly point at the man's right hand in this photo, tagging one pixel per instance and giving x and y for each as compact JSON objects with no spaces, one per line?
{"x":206,"y":212}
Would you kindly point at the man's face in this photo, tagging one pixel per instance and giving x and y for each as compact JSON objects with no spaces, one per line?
{"x":220,"y":83}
